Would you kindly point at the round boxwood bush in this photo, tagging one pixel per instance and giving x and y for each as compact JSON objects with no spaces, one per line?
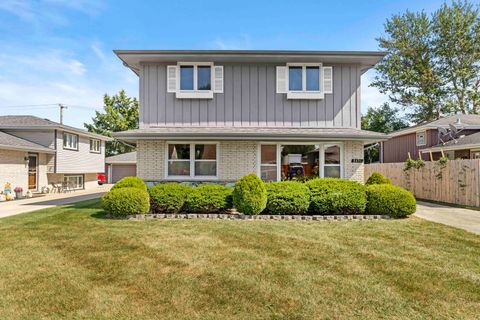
{"x":126,"y":201}
{"x":250,"y":195}
{"x":168,"y":197}
{"x":336,"y":196}
{"x":390,"y":200}
{"x":287,"y":197}
{"x":378,"y":178}
{"x":130,"y":182}
{"x":209,"y":199}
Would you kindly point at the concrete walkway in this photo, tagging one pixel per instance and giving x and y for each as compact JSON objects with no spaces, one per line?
{"x":12,"y":208}
{"x":465,"y":219}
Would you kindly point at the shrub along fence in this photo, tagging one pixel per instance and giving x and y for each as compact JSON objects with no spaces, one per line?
{"x":455,"y":181}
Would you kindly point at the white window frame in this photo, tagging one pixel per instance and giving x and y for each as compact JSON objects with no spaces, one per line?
{"x":77,"y":138}
{"x":81,"y":176}
{"x":304,"y":93}
{"x":418,"y":144}
{"x":195,"y":93}
{"x":192,"y":161}
{"x":321,"y":150}
{"x":95,"y":143}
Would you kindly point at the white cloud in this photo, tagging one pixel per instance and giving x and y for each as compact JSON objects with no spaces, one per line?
{"x":97,"y":49}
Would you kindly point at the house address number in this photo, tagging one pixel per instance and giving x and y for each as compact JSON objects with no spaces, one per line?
{"x":357,"y":160}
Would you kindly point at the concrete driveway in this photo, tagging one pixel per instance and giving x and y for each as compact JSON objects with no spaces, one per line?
{"x":12,"y":208}
{"x":466,"y":219}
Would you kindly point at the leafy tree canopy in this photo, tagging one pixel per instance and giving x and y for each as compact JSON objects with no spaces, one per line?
{"x":432,"y":66}
{"x":120,"y":113}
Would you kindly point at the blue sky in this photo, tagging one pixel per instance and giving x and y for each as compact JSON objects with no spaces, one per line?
{"x":60,"y":51}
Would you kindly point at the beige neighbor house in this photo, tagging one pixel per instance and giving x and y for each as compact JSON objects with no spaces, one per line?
{"x":120,"y":166}
{"x":217,"y":115}
{"x":35,"y":152}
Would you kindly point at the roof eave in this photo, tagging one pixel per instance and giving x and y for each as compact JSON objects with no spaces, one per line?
{"x":27,"y":149}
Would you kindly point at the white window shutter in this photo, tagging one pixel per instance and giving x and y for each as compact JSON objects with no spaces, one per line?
{"x":171,"y":78}
{"x":328,"y":79}
{"x":218,"y":79}
{"x":281,"y":79}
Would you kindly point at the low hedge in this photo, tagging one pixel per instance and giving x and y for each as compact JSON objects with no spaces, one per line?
{"x":209,"y":199}
{"x":336,"y":196}
{"x":287,"y":197}
{"x":121,"y":202}
{"x":377,"y":178}
{"x":250,"y":195}
{"x":130,"y":182}
{"x":390,"y":200}
{"x":168,"y":197}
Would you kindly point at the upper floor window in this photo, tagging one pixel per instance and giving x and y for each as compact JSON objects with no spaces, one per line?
{"x":70,"y":141}
{"x":304,"y":80}
{"x":421,"y":138}
{"x":195,"y":80}
{"x":95,"y":145}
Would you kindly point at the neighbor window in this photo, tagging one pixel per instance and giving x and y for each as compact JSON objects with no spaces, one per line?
{"x":74,"y":181}
{"x":331,"y":161}
{"x":192,"y":160}
{"x":95,"y":145}
{"x":421,"y":138}
{"x":70,"y":141}
{"x":195,"y":77}
{"x":304,"y":78}
{"x":268,"y":159}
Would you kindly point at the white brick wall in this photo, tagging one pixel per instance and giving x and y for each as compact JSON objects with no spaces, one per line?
{"x":150,"y":159}
{"x":235,"y":159}
{"x":353,"y":150}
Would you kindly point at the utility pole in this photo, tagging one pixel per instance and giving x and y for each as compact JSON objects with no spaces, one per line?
{"x":61,"y":111}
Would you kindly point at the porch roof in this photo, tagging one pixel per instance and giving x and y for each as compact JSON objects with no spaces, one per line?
{"x":250,"y":133}
{"x":9,"y":142}
{"x":471,"y":141}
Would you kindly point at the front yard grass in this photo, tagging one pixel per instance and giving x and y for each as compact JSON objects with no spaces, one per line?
{"x":68,"y":262}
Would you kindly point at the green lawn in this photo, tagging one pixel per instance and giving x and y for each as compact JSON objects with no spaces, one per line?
{"x":69,"y":262}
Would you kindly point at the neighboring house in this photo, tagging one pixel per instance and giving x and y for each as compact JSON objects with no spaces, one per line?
{"x":120,"y":166}
{"x":417,"y":140}
{"x":464,"y":147}
{"x":217,"y":115}
{"x":36,"y":152}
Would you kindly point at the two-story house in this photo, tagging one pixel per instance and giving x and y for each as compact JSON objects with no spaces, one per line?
{"x":36,"y":152}
{"x":217,"y":115}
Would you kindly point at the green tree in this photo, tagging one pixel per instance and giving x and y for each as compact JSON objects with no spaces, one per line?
{"x":408,"y":73}
{"x":456,"y":40}
{"x":383,"y":119}
{"x":432,"y":66}
{"x":120,"y":113}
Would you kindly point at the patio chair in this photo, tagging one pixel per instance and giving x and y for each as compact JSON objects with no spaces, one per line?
{"x":56,"y":187}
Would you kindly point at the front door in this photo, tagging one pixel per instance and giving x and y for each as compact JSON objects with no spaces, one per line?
{"x":32,"y":171}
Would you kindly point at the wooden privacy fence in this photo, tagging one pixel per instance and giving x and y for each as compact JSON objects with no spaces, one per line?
{"x":456,"y":181}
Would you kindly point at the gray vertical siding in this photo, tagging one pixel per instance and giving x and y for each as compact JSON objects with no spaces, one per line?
{"x":250,"y":99}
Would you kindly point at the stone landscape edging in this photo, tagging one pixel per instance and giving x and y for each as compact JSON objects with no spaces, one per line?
{"x":226,"y":216}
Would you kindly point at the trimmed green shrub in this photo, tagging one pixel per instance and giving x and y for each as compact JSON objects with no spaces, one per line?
{"x":130,"y":182}
{"x":378,"y":178}
{"x":250,"y":195}
{"x":209,"y":199}
{"x":287,"y":197}
{"x":168,"y":197}
{"x":121,"y":202}
{"x":390,"y":200}
{"x":336,"y":196}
